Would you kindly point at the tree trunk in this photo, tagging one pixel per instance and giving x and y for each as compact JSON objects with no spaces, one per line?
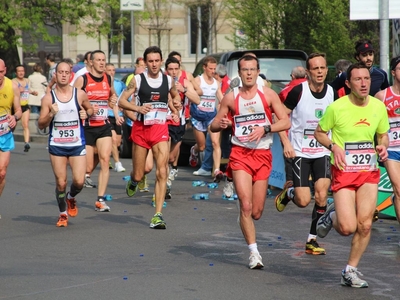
{"x":10,"y":54}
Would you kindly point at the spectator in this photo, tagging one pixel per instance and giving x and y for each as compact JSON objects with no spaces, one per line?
{"x":51,"y":61}
{"x":38,"y":84}
{"x":80,"y":63}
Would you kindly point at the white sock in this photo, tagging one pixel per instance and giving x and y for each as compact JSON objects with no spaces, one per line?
{"x":253,"y":248}
{"x":290,"y":192}
{"x":311,"y":237}
{"x":348,"y":268}
{"x":63,"y":212}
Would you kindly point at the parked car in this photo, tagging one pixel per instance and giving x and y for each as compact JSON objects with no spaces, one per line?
{"x":123,"y":73}
{"x":275,"y":64}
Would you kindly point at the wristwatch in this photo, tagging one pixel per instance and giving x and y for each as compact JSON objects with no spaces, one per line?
{"x":331,"y":146}
{"x":267,"y":129}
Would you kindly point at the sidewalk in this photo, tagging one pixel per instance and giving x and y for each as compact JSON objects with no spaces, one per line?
{"x":35,"y":137}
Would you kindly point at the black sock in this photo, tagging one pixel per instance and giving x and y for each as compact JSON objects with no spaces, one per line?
{"x":100,"y":198}
{"x":175,"y":167}
{"x":317,"y":213}
{"x":74,"y":190}
{"x":60,"y":196}
{"x":229,"y":179}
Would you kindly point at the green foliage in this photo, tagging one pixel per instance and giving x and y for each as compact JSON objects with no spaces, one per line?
{"x":309,"y":25}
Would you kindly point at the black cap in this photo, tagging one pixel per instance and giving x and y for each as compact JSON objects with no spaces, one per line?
{"x":365,"y":47}
{"x":394,"y":62}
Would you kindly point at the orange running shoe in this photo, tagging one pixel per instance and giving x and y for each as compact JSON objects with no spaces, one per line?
{"x":101,"y":206}
{"x":62,"y":220}
{"x":72,"y":209}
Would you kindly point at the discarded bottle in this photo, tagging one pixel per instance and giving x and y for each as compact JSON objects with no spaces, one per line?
{"x":269,"y":192}
{"x":107,"y":197}
{"x":201,"y":196}
{"x":232,"y":198}
{"x":198,"y":183}
{"x":212,"y":185}
{"x":329,"y":200}
{"x":126,"y":178}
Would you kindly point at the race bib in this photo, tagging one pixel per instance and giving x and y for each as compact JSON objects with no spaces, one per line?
{"x":309,"y":144}
{"x":394,"y":134}
{"x":102,"y":114}
{"x":244,"y":125}
{"x":360,"y":156}
{"x":207,"y":105}
{"x":157,"y":114}
{"x":24,"y":96}
{"x":66,"y":131}
{"x":4,"y":128}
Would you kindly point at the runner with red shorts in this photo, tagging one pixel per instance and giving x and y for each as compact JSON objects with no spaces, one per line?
{"x":250,"y":161}
{"x":150,"y":130}
{"x":354,"y":120}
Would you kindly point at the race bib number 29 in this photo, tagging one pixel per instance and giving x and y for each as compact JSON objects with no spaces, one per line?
{"x":246,"y":123}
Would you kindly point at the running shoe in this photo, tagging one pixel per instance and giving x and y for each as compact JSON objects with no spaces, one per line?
{"x":101,"y":206}
{"x":324,"y":224}
{"x":218,"y":175}
{"x":118,"y":167}
{"x":229,"y":189}
{"x":202,"y":172}
{"x":62,"y":220}
{"x":130,"y":188}
{"x":313,"y":248}
{"x":172,"y":174}
{"x":350,"y":278}
{"x":376,"y":216}
{"x":168,"y":191}
{"x":282,"y":199}
{"x":194,"y":157}
{"x":27,"y":147}
{"x":153,"y":202}
{"x":89,"y":183}
{"x":143,"y":186}
{"x":255,"y":261}
{"x":72,"y":209}
{"x":110,"y":165}
{"x":157,"y":222}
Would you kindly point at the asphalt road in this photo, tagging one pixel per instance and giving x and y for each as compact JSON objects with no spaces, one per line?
{"x":201,"y":254}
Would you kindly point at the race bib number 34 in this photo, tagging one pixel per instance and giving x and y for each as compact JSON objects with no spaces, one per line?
{"x":394,"y":134}
{"x":360,"y":156}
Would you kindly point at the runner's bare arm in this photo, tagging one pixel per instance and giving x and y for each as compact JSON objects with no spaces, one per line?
{"x":16,"y":102}
{"x":85,"y":103}
{"x":283,"y":122}
{"x":196,"y":85}
{"x":46,"y":115}
{"x":191,"y":93}
{"x":221,"y":120}
{"x":123,"y":99}
{"x":176,"y":99}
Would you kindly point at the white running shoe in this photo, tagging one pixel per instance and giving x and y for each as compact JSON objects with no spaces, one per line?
{"x":202,"y":172}
{"x":255,"y":261}
{"x":172,"y":174}
{"x":118,"y":167}
{"x":350,"y":278}
{"x":229,"y":189}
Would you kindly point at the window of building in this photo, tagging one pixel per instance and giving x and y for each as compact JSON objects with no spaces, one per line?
{"x":199,"y":20}
{"x":126,"y":45}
